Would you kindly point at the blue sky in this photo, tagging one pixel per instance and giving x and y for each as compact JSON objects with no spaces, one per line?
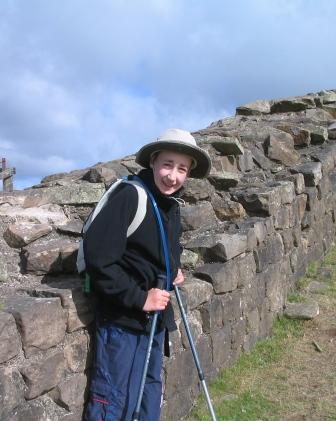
{"x":86,"y":81}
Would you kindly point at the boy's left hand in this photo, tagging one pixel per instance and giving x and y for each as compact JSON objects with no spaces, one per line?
{"x":179,"y":277}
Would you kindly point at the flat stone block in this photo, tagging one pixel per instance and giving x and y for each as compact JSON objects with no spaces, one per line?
{"x":312,"y":172}
{"x":219,"y":247}
{"x":195,"y":292}
{"x":70,"y":393}
{"x":226,"y":145}
{"x":280,"y":148}
{"x":223,"y":276}
{"x":53,"y":257}
{"x":198,"y":216}
{"x":19,"y":235}
{"x":271,"y":252}
{"x":73,"y":227}
{"x":212,"y":315}
{"x":42,"y":376}
{"x":221,"y":343}
{"x":195,"y":190}
{"x":78,"y":307}
{"x":288,"y":105}
{"x":300,"y":135}
{"x":189,"y":259}
{"x":260,"y":200}
{"x":305,"y":311}
{"x":11,"y":391}
{"x":41,"y":322}
{"x":226,"y":209}
{"x":10,"y":344}
{"x":245,"y":161}
{"x":76,"y":354}
{"x":223,"y":180}
{"x":259,"y":107}
{"x":72,"y":194}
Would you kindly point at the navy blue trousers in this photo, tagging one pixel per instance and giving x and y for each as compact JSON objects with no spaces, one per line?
{"x":117,"y":371}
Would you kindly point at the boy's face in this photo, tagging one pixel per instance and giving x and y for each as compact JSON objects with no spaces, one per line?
{"x":170,"y":171}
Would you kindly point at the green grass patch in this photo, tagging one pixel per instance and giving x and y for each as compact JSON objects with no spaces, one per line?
{"x":330,"y":258}
{"x":250,"y":405}
{"x":312,"y":269}
{"x":329,"y":261}
{"x":332,"y":289}
{"x":296,"y":298}
{"x":302,"y":283}
{"x":241,"y":380}
{"x":311,"y":273}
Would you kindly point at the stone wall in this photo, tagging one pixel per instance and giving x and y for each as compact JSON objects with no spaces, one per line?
{"x":266,"y":210}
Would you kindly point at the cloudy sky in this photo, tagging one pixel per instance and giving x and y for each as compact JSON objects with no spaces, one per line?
{"x":86,"y":81}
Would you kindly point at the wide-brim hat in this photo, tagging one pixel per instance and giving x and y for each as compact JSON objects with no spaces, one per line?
{"x":180,"y":141}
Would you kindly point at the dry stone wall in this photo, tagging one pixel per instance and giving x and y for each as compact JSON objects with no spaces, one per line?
{"x":266,"y":210}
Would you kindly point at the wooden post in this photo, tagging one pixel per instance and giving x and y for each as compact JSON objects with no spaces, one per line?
{"x":6,"y":175}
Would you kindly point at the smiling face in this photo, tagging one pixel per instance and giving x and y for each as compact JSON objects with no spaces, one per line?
{"x":170,"y":170}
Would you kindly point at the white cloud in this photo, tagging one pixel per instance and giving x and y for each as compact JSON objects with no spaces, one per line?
{"x":5,"y":145}
{"x":35,"y":165}
{"x":89,"y":83}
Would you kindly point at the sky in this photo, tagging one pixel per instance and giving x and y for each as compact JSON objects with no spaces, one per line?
{"x":87,"y":81}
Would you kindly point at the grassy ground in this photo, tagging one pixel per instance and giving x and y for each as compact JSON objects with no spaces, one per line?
{"x":292,"y":375}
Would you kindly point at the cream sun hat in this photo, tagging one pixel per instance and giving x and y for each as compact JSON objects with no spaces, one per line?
{"x":181,"y":141}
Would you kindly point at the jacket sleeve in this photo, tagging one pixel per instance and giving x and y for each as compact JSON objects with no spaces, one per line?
{"x":104,"y":246}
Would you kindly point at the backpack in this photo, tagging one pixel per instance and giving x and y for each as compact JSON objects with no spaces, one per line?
{"x":134,"y":225}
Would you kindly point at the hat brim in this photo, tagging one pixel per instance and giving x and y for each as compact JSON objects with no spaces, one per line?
{"x":203,"y":162}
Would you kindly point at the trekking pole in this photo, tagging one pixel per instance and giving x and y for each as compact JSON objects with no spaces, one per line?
{"x":136,"y":414}
{"x":194,"y":352}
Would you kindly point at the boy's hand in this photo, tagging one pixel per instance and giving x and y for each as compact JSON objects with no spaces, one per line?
{"x":179,"y":277}
{"x":157,"y":299}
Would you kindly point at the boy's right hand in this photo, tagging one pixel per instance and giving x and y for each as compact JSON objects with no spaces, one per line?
{"x":157,"y":299}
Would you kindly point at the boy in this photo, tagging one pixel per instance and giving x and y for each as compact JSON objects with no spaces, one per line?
{"x":124,"y":273}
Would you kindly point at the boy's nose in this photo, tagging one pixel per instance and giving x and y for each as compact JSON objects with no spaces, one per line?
{"x":172,"y":175}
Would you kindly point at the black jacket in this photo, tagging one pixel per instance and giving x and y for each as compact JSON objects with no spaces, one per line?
{"x":123,"y":269}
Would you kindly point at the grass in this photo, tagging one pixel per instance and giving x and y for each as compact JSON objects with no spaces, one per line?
{"x":330,"y":262}
{"x":284,"y":377}
{"x":312,"y":269}
{"x":296,"y":298}
{"x":236,"y":393}
{"x":330,"y":258}
{"x":310,"y":275}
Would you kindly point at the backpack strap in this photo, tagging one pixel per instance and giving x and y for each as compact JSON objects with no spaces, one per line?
{"x":141,"y":209}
